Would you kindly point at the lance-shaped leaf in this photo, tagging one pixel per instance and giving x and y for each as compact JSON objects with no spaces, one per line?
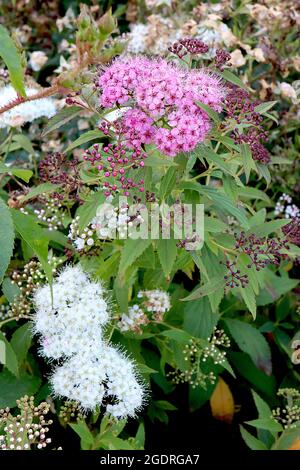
{"x":12,"y":59}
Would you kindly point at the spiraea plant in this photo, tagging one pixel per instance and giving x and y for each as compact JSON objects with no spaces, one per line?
{"x":145,"y":262}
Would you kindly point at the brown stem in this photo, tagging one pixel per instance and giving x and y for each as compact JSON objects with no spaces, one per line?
{"x":52,"y":90}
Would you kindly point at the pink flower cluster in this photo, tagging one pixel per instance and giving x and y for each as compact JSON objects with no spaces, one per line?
{"x":162,"y":97}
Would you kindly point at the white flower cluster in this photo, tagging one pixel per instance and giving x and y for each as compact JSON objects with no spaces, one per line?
{"x":25,"y":112}
{"x":285,"y":206}
{"x":71,"y":326}
{"x":133,"y":319}
{"x":156,"y":301}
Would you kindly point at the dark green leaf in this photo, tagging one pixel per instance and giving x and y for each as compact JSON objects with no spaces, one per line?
{"x":12,"y":59}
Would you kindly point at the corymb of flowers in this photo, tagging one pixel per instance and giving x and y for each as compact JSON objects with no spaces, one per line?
{"x":161,"y":96}
{"x":70,"y":321}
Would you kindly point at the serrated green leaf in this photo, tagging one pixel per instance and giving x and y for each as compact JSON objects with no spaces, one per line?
{"x":84,"y":139}
{"x":220,"y":199}
{"x":269,"y":424}
{"x":6,"y":238}
{"x":264,"y":107}
{"x":132,"y":249}
{"x":34,"y":236}
{"x":167,"y":183}
{"x":25,"y":175}
{"x":207,"y":288}
{"x":199,"y":320}
{"x":264,"y":411}
{"x":230,"y":77}
{"x":21,"y":341}
{"x":247,"y":159}
{"x":13,"y":388}
{"x":23,"y":141}
{"x":44,"y":188}
{"x":10,"y":290}
{"x":252,"y":442}
{"x":252,"y":342}
{"x":88,"y":210}
{"x":12,"y":59}
{"x":11,"y":361}
{"x":61,"y":118}
{"x":167,"y":252}
{"x":262,"y":230}
{"x":83,"y":431}
{"x":177,"y":335}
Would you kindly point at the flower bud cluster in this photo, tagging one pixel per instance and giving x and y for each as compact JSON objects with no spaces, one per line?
{"x":28,"y":430}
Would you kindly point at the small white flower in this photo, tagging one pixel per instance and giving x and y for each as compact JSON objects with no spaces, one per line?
{"x":37,"y":60}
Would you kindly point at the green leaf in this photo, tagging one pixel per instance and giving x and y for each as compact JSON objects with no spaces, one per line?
{"x":43,"y":188}
{"x":13,"y":388}
{"x":252,"y":342}
{"x":21,"y":341}
{"x":230,"y":77}
{"x":167,"y":183}
{"x":198,"y":319}
{"x":220,"y":200}
{"x":198,"y":396}
{"x":248,"y":162}
{"x":83,"y":432}
{"x":165,"y":405}
{"x":13,"y":61}
{"x":262,"y":230}
{"x":252,"y":442}
{"x":287,"y":439}
{"x":88,"y":210}
{"x":10,"y":290}
{"x":25,"y":175}
{"x":264,"y":172}
{"x":11,"y":361}
{"x":84,"y":138}
{"x":269,"y":424}
{"x":132,"y":249}
{"x":213,"y":225}
{"x":249,"y":298}
{"x":209,"y":111}
{"x":34,"y":236}
{"x":167,"y":252}
{"x":61,"y":118}
{"x":156,"y":161}
{"x":274,"y":287}
{"x":211,"y":286}
{"x":212,"y":156}
{"x":6,"y":238}
{"x":262,"y":382}
{"x":115,"y":443}
{"x":253,"y":193}
{"x":264,"y":107}
{"x":264,"y":411}
{"x":177,"y":335}
{"x":24,"y":143}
